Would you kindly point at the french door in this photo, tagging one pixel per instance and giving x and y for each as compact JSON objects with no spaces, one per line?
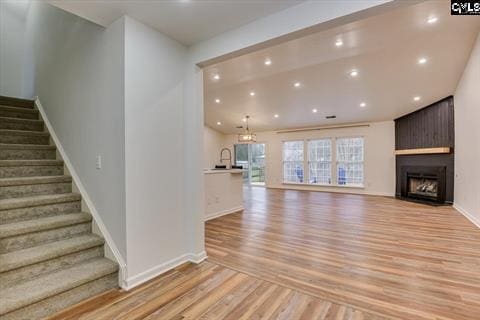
{"x":252,"y":157}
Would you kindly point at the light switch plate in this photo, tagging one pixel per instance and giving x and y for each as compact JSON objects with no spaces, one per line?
{"x":98,"y":162}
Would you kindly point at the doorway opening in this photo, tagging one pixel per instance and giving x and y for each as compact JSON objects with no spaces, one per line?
{"x":252,"y":157}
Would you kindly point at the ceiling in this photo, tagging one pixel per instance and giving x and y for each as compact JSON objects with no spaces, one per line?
{"x":384,"y":49}
{"x":187,"y":21}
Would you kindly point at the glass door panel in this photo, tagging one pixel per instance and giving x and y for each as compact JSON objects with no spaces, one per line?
{"x":252,"y":158}
{"x":241,"y":159}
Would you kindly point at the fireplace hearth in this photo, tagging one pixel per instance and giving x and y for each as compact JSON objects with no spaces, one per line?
{"x":423,"y":184}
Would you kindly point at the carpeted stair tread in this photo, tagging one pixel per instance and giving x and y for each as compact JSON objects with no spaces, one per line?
{"x":17,"y":102}
{"x":48,"y":223}
{"x":33,"y":201}
{"x":22,"y":181}
{"x":25,"y":257}
{"x":30,"y":292}
{"x":20,"y":120}
{"x":26,"y":146}
{"x":18,"y":109}
{"x":24,"y":133}
{"x":21,"y":124}
{"x":27,"y":163}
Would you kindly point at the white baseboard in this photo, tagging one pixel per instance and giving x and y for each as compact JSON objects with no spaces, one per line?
{"x":467,"y":215}
{"x":223,"y":212}
{"x":91,"y":208}
{"x":149,"y":274}
{"x":333,"y":189}
{"x":197,"y":258}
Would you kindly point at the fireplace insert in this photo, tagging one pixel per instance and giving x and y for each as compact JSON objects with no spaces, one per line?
{"x":423,"y":183}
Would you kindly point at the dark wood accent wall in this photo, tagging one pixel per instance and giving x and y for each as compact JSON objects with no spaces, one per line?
{"x":429,"y":127}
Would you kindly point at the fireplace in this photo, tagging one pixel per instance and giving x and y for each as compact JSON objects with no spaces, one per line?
{"x":423,"y":183}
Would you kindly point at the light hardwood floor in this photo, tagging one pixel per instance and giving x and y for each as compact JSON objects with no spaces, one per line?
{"x":399,"y":259}
{"x":311,"y":255}
{"x":208,"y":291}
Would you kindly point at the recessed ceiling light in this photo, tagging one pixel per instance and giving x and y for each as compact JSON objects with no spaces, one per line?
{"x":422,"y":60}
{"x":296,"y":84}
{"x":314,"y":110}
{"x":216,"y":77}
{"x":276,"y":116}
{"x":217,"y":100}
{"x":339,"y":43}
{"x":363,"y":104}
{"x":417,"y":98}
{"x":432,"y":20}
{"x":252,"y":93}
{"x":268,"y":62}
{"x":219,"y":123}
{"x":353,"y":73}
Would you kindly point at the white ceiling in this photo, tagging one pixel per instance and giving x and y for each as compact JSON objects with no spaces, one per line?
{"x":187,"y":21}
{"x":384,"y":49}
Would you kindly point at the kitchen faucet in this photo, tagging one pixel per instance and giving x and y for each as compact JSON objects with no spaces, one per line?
{"x":229,"y":157}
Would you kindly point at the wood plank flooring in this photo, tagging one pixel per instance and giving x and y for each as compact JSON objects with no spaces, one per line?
{"x":310,"y":255}
{"x":395,"y":258}
{"x":208,"y":291}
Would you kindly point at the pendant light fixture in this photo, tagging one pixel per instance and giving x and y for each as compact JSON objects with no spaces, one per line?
{"x":247,"y":136}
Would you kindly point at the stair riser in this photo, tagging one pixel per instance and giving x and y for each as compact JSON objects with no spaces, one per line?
{"x":19,"y":125}
{"x":31,"y":171}
{"x":18,"y":114}
{"x":9,"y":192}
{"x":36,"y":238}
{"x":62,"y":301}
{"x":16,"y":276}
{"x":15,"y":154}
{"x":21,"y":214}
{"x":24,"y":139}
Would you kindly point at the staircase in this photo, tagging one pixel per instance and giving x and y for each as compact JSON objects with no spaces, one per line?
{"x":49,"y":257}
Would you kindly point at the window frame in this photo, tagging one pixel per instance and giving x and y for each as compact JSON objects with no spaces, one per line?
{"x":290,"y":161}
{"x":330,"y":162}
{"x":338,"y":162}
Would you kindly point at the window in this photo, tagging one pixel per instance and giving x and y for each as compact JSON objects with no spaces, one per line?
{"x":350,"y":161}
{"x":320,"y":161}
{"x":293,"y":161}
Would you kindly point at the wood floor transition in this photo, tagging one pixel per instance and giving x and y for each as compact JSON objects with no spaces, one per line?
{"x":314,"y":255}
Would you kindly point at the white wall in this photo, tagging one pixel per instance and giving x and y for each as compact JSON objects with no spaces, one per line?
{"x":379,"y":165}
{"x":76,"y":69}
{"x":13,"y":14}
{"x":213,"y":142}
{"x":467,"y":139}
{"x":154,"y":99}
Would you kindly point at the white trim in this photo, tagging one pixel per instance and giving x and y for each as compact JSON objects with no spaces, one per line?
{"x":223,"y":213}
{"x":151,"y":273}
{"x":467,"y":215}
{"x":324,"y":185}
{"x":198,"y":257}
{"x":331,"y":189}
{"x":93,"y":211}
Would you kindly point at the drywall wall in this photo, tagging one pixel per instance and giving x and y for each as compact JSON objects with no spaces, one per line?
{"x":76,"y":69}
{"x":13,"y":15}
{"x":379,"y":164}
{"x":213,"y":142}
{"x":467,"y":138}
{"x":154,"y":100}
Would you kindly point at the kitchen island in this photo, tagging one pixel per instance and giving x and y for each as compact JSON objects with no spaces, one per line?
{"x":223,"y":192}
